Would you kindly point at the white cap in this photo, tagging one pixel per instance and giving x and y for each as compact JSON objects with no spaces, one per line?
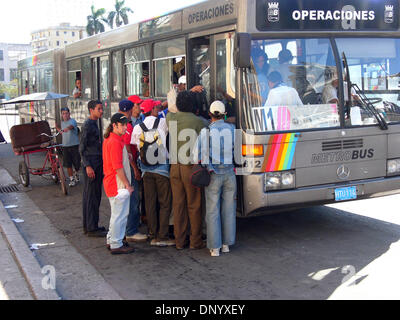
{"x":217,"y":106}
{"x":182,"y":80}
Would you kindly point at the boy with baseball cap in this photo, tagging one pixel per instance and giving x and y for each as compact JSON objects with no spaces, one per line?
{"x":117,"y":184}
{"x":132,"y":230}
{"x":218,"y":156}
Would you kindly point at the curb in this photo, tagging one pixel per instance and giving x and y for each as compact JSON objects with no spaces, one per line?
{"x":76,"y":278}
{"x":28,"y":265}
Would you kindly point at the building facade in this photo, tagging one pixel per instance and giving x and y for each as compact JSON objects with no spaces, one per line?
{"x":56,"y":37}
{"x":10,"y":54}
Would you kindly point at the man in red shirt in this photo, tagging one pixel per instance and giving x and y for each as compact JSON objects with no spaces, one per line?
{"x":117,"y":184}
{"x":132,"y":228}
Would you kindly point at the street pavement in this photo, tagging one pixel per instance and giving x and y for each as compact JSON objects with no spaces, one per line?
{"x":343,"y":251}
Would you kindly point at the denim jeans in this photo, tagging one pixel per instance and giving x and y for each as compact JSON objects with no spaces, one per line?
{"x":133,"y":224}
{"x":118,"y":220}
{"x":221,"y":210}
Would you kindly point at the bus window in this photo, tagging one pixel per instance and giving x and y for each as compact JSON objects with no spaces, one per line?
{"x":225,"y":75}
{"x":32,"y":81}
{"x":201,"y":65}
{"x":94,"y":79}
{"x":169,"y":65}
{"x":301,"y":101}
{"x":74,"y":78}
{"x":75,"y":84}
{"x":117,"y":74}
{"x":104,"y":79}
{"x":25,"y":83}
{"x":374,"y":74}
{"x":86,"y":79}
{"x":137,"y":62}
{"x":48,"y":79}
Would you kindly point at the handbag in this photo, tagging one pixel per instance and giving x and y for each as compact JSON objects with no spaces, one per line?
{"x":200,"y":176}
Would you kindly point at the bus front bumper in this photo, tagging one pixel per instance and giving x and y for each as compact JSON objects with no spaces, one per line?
{"x":258,"y":202}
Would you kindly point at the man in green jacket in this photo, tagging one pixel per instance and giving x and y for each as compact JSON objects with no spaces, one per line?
{"x":184,"y":127}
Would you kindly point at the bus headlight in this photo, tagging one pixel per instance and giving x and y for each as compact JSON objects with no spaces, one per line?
{"x":393,"y":167}
{"x":279,"y":180}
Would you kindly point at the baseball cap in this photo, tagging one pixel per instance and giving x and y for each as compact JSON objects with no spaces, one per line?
{"x":125,"y":105}
{"x":135,"y":99}
{"x":65,"y":109}
{"x":217,"y":107}
{"x":157,"y":103}
{"x":147,"y":106}
{"x":182,"y":80}
{"x":119,"y":118}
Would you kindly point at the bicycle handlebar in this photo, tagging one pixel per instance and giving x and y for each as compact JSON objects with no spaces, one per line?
{"x":51,"y":137}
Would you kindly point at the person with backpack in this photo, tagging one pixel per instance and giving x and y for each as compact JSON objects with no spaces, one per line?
{"x":151,"y":140}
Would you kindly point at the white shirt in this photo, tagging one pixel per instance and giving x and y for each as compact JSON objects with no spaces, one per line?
{"x":149,"y":123}
{"x":329,"y":93}
{"x":283,"y":96}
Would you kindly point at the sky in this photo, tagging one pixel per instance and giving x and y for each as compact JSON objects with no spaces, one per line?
{"x":25,"y":16}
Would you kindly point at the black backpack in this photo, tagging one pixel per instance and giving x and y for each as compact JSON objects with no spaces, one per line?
{"x":150,"y":146}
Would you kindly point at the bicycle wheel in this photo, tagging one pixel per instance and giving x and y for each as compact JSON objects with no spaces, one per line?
{"x":23,"y":174}
{"x":61,"y":177}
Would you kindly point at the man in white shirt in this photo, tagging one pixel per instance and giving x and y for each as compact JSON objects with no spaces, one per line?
{"x":330,"y":94}
{"x":280,"y":94}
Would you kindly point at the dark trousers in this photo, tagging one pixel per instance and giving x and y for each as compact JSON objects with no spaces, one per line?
{"x":157,"y":187}
{"x":187,"y":206}
{"x":91,"y":199}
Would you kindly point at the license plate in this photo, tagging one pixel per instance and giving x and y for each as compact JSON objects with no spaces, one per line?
{"x":349,"y":193}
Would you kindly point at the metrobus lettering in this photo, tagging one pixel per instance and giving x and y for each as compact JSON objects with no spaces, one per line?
{"x":321,"y":15}
{"x":224,"y":10}
{"x":329,"y":157}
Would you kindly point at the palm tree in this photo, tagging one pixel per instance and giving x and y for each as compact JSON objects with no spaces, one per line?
{"x":120,"y":15}
{"x":95,"y":21}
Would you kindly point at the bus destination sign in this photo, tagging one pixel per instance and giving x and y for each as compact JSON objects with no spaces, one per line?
{"x":335,"y":15}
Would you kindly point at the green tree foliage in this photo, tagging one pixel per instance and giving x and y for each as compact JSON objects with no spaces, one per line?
{"x":119,"y":15}
{"x":95,"y":21}
{"x":10,"y":89}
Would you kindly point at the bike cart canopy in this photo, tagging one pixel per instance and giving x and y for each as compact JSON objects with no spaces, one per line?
{"x":39,"y":96}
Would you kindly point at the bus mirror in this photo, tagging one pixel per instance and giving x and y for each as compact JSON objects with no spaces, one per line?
{"x":242,"y":50}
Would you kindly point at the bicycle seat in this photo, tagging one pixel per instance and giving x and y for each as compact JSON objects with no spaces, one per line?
{"x":26,"y":137}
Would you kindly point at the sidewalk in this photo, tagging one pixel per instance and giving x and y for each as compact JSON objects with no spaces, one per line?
{"x":13,"y":285}
{"x":75,"y":277}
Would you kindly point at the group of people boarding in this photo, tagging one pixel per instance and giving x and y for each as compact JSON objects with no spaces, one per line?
{"x":137,"y":151}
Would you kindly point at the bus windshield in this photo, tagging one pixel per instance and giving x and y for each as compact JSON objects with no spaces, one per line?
{"x":293,"y":84}
{"x":374,"y":73}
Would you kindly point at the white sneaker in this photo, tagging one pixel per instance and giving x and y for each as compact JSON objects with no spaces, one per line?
{"x":72,"y":182}
{"x":214,"y":252}
{"x":138,"y":237}
{"x":76,"y":177}
{"x":225,"y":249}
{"x":158,"y":243}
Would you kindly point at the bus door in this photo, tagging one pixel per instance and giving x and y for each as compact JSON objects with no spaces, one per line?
{"x":211,"y":66}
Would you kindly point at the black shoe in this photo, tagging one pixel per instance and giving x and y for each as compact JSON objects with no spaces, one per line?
{"x":124,"y":243}
{"x":123,"y":250}
{"x":97,"y":234}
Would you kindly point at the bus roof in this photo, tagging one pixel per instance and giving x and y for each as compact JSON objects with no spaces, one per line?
{"x":197,"y":17}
